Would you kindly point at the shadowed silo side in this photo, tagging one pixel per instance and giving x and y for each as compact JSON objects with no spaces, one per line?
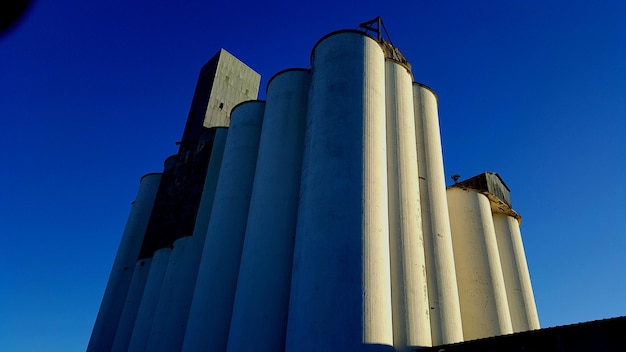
{"x":211,"y":308}
{"x":482,"y":295}
{"x":341,"y":295}
{"x":259,"y":317}
{"x":170,"y":321}
{"x":445,"y":314}
{"x":131,"y":307}
{"x":121,"y":275}
{"x":516,"y":276}
{"x":149,"y":300}
{"x":411,"y":323}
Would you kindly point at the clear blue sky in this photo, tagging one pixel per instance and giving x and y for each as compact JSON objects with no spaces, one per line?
{"x":93,"y":95}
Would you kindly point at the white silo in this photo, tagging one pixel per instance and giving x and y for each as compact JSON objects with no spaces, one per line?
{"x":131,"y":307}
{"x":121,"y":275}
{"x":149,"y":300}
{"x":445,"y":314}
{"x":515,"y":269}
{"x":341,"y":295}
{"x":211,"y":308}
{"x":411,"y":323}
{"x":259,"y":318}
{"x":482,"y":295}
{"x":170,"y":320}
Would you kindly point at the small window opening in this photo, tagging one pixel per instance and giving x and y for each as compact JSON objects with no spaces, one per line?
{"x":221,"y":106}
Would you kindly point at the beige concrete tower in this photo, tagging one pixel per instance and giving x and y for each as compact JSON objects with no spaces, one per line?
{"x":445,"y":314}
{"x":411,"y":322}
{"x":494,"y":284}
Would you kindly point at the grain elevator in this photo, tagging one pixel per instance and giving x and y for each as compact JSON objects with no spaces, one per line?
{"x":315,"y":220}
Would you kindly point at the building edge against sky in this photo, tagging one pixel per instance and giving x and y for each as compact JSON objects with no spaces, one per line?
{"x":371,"y":258}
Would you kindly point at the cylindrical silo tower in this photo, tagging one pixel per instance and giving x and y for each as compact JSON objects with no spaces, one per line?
{"x":170,"y":320}
{"x":516,"y":276}
{"x":411,"y":323}
{"x":259,"y":318}
{"x":131,"y":307}
{"x":149,"y":300}
{"x":211,"y":308}
{"x":445,"y":314}
{"x":112,"y":305}
{"x":341,"y":295}
{"x":482,"y":295}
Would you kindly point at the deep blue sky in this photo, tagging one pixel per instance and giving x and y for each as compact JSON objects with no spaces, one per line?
{"x":93,"y":95}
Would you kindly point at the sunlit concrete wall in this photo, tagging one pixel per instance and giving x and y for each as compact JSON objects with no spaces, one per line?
{"x":445,"y":314}
{"x":482,"y":294}
{"x":234,"y":82}
{"x":411,"y":321}
{"x":515,"y":270}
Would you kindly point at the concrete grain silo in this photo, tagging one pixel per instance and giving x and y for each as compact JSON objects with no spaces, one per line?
{"x":213,"y":297}
{"x":170,"y":321}
{"x":149,"y":300}
{"x":445,"y":314}
{"x":223,"y":82}
{"x":516,"y":276}
{"x":131,"y":307}
{"x":120,"y":279}
{"x":317,"y":220}
{"x":341,"y":286}
{"x":482,"y":292}
{"x":259,"y":318}
{"x":411,"y":317}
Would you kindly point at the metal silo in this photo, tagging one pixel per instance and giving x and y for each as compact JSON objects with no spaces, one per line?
{"x":515,"y":269}
{"x":341,"y":295}
{"x":211,"y":308}
{"x":149,"y":300}
{"x":259,"y":318}
{"x":112,"y":305}
{"x":482,"y":295}
{"x":131,"y":307}
{"x":170,"y":321}
{"x":411,"y":323}
{"x":445,"y":314}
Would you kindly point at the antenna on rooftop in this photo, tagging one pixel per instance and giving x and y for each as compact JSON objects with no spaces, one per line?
{"x":377,"y":27}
